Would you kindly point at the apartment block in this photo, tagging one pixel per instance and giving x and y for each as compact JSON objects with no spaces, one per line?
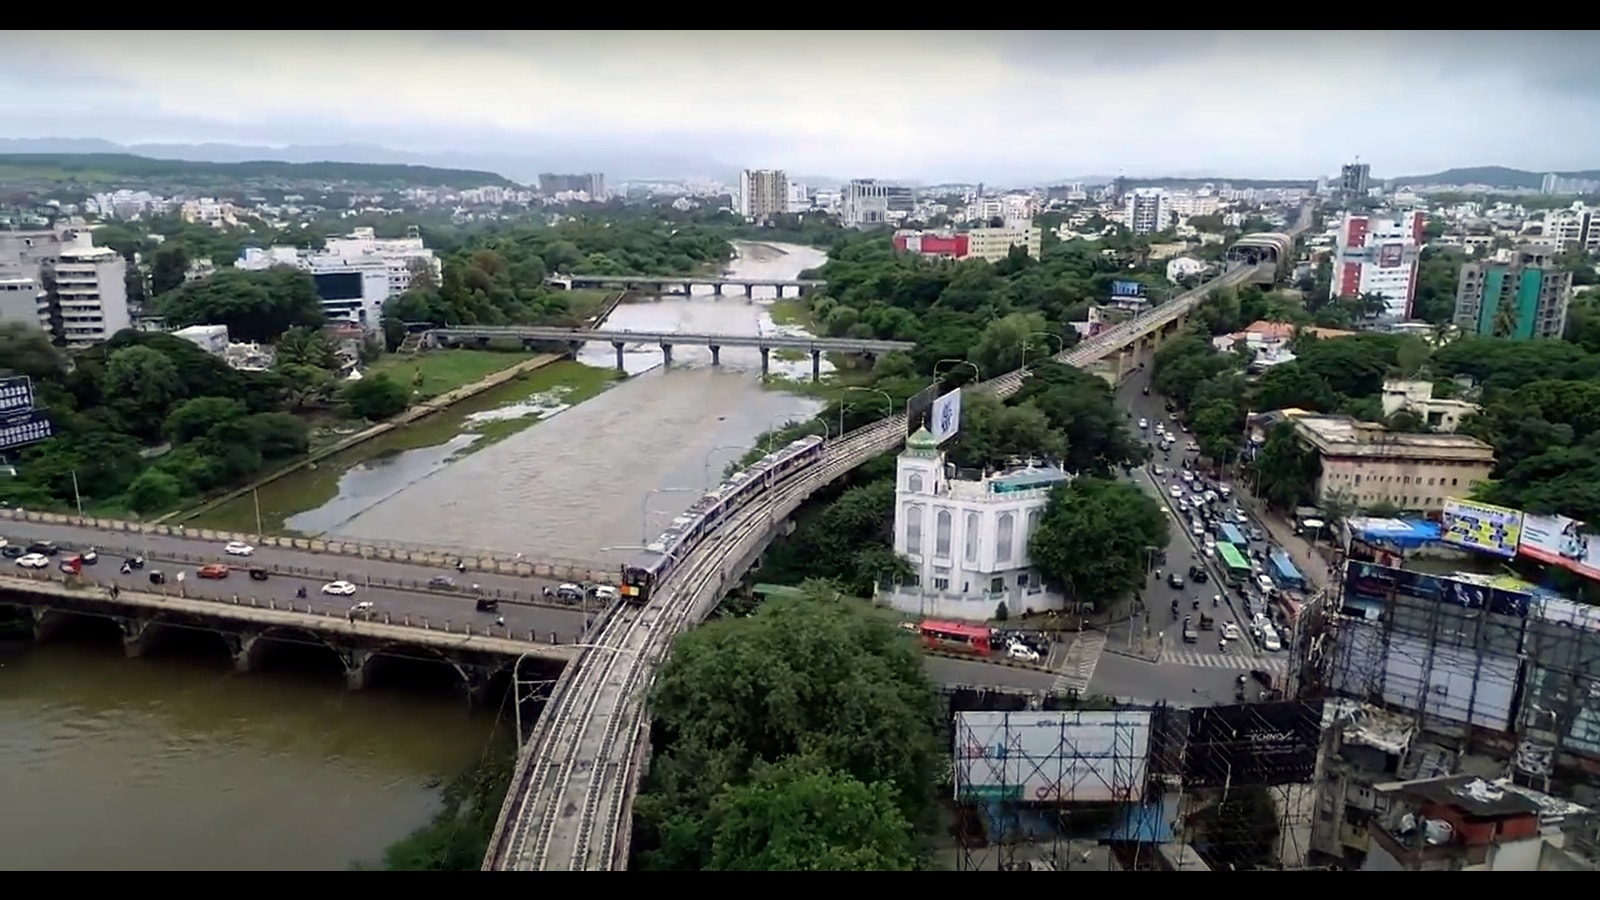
{"x":56,"y":278}
{"x":1147,"y":211}
{"x":1523,"y":296}
{"x":1378,"y":254}
{"x":763,"y":193}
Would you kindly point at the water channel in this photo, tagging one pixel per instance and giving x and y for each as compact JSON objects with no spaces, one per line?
{"x":174,"y":762}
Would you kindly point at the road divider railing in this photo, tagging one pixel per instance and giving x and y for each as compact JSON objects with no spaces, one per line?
{"x":89,"y":590}
{"x":1001,"y":660}
{"x":434,"y":556}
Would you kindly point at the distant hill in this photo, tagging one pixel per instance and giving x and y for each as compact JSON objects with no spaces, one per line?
{"x":1490,"y":176}
{"x":106,"y":168}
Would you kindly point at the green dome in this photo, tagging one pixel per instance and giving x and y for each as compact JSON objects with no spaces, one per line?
{"x":922,"y":439}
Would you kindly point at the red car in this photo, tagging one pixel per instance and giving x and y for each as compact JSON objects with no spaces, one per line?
{"x":213,"y":571}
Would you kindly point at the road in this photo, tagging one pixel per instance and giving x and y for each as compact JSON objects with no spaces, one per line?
{"x":384,"y":591}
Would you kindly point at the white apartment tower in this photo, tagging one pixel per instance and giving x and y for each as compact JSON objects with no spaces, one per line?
{"x":763,"y":193}
{"x":90,"y":301}
{"x":866,"y":203}
{"x":1147,"y":210}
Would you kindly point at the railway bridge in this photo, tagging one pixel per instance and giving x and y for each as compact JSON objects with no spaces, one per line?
{"x":569,"y":806}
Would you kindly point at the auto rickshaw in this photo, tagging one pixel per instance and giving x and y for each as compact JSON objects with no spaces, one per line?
{"x":156,"y":577}
{"x":258,"y":574}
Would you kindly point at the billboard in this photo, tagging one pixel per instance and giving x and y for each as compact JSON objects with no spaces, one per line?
{"x":946,"y":418}
{"x":1391,"y":255}
{"x":1263,"y":744}
{"x":917,"y":407}
{"x":1560,"y":541}
{"x":1482,"y":527}
{"x":16,"y":394}
{"x":1127,"y":289}
{"x":1062,"y":756}
{"x":21,"y":429}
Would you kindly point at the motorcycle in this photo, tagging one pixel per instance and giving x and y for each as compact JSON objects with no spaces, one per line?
{"x":1195,"y":604}
{"x":300,"y":592}
{"x":1216,"y":600}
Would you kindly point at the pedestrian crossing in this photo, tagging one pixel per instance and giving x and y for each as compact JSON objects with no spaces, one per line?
{"x":1077,"y":667}
{"x":1196,"y":659}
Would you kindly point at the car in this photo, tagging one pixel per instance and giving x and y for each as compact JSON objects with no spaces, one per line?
{"x":1187,"y":475}
{"x":1198,"y":574}
{"x":1157,"y":471}
{"x":33,"y":561}
{"x":1196,"y":528}
{"x":12,"y":551}
{"x":1023,"y":652}
{"x":238,"y":548}
{"x":1175,"y":581}
{"x":442,"y":583}
{"x":1230,"y":631}
{"x":604,"y":593}
{"x":258,"y":574}
{"x":1210,"y":542}
{"x":1191,"y":446}
{"x":339,"y":588}
{"x":487,"y":604}
{"x":1190,"y":636}
{"x":89,"y":557}
{"x":570,"y":592}
{"x":1240,"y":516}
{"x":1144,"y":423}
{"x":44,"y":548}
{"x":1269,"y":639}
{"x":215,"y":570}
{"x":364,"y":606}
{"x":1176,"y":492}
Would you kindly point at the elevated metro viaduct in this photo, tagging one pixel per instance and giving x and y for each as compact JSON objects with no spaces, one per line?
{"x":569,"y":805}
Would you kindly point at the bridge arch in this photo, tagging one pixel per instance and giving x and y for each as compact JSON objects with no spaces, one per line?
{"x":394,"y":658}
{"x":263,"y":645}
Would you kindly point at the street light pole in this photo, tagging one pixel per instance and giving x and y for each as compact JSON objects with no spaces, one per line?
{"x":255,"y":497}
{"x":705,"y":468}
{"x":959,"y":362}
{"x":77,"y":497}
{"x":1060,"y":344}
{"x":887,"y":400}
{"x":644,"y":509}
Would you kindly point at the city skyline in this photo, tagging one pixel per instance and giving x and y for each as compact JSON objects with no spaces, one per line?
{"x":1180,"y":104}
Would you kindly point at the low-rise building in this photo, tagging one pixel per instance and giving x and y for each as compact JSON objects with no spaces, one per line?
{"x":992,"y":244}
{"x":1465,"y":823}
{"x":1373,"y":465}
{"x":1416,"y":397}
{"x":967,"y":539}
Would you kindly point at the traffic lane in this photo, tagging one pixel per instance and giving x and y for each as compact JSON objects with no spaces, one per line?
{"x":436,"y":608}
{"x":328,"y":566}
{"x":1134,"y":679}
{"x":964,"y":673}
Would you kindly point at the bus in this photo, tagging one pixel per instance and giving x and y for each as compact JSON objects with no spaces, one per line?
{"x":958,"y":636}
{"x":1237,"y":568}
{"x":1229,"y":534}
{"x":1284,"y":572}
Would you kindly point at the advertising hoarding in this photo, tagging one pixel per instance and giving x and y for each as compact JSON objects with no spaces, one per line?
{"x":1481,"y":527}
{"x":21,"y":429}
{"x":917,"y":408}
{"x":1560,"y":541}
{"x":946,"y":418}
{"x":16,"y":394}
{"x":1264,"y":744}
{"x":1061,"y":756}
{"x":1127,"y":289}
{"x":1391,"y":255}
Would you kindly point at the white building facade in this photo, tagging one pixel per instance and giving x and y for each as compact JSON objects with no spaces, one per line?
{"x":90,"y":302}
{"x":1378,"y":254}
{"x":967,"y":541}
{"x":1147,"y":211}
{"x":866,"y":203}
{"x":357,"y":274}
{"x":763,"y":193}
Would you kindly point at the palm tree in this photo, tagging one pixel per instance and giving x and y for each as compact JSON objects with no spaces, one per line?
{"x":1505,"y":321}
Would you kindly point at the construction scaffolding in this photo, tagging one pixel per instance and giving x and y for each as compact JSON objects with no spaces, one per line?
{"x":1488,"y":670}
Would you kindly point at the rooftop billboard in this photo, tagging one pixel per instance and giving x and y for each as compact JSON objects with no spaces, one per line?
{"x":1482,"y":527}
{"x":1263,"y":744}
{"x":1063,"y":756}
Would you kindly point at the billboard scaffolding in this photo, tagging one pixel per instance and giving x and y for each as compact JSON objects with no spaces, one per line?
{"x":1020,"y":774}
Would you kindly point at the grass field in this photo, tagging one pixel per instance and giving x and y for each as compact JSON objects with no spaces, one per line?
{"x":445,"y":370}
{"x":794,"y":313}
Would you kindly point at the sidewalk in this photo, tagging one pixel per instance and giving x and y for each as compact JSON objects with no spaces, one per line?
{"x":1312,"y":562}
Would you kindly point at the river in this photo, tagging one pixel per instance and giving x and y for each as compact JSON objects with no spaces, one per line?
{"x":613,"y":470}
{"x":173,"y":762}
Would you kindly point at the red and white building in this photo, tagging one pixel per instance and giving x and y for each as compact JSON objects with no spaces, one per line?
{"x":1377,"y":254}
{"x":942,"y":245}
{"x":992,"y":244}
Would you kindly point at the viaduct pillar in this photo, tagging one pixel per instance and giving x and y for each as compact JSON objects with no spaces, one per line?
{"x":766,"y":361}
{"x":716,"y":355}
{"x":666,"y":355}
{"x":780,"y":291}
{"x":617,"y":345}
{"x":749,"y":291}
{"x":816,"y":366}
{"x":717,"y":288}
{"x":574,"y":348}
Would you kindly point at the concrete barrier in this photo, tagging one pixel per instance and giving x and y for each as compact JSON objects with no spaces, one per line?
{"x":416,"y":554}
{"x":1002,"y":660}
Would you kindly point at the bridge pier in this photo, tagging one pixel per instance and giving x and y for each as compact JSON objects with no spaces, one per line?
{"x":133,"y":636}
{"x":660,"y":289}
{"x":749,"y":291}
{"x":243,"y":646}
{"x":355,"y":667}
{"x":618,"y":346}
{"x":574,"y":348}
{"x":666,"y":355}
{"x":717,"y":289}
{"x":45,"y":622}
{"x":816,"y":366}
{"x":780,"y":291}
{"x":716,"y":355}
{"x":476,"y":681}
{"x":766,"y":361}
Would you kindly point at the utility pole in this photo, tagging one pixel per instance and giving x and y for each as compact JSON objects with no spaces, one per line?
{"x":255,"y":495}
{"x":77,"y":497}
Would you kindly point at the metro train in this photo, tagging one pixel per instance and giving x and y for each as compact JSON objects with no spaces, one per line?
{"x":648,"y":568}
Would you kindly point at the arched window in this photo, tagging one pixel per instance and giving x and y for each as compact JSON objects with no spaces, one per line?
{"x":941,"y":534}
{"x":1033,"y":526}
{"x":913,"y":513}
{"x":971,"y":536}
{"x":914,"y":483}
{"x":1004,"y":532}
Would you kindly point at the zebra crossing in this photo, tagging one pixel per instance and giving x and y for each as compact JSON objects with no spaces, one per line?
{"x":1077,"y":666}
{"x":1224,"y":660}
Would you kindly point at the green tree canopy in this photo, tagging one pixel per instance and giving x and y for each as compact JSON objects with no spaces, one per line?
{"x":1095,"y":538}
{"x":256,"y":306}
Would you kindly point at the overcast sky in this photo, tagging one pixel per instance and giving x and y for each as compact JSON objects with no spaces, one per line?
{"x":924,"y":105}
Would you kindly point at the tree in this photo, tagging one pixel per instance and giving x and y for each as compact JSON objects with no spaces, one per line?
{"x":1241,"y":829}
{"x":153,"y":490}
{"x":26,"y":350}
{"x":815,"y":680}
{"x":1286,"y":470}
{"x":1095,"y":538}
{"x":1000,"y":347}
{"x":168,"y":268}
{"x":376,"y":397}
{"x":255,"y":305}
{"x":802,"y":816}
{"x":194,"y":419}
{"x":993,"y":433}
{"x":1083,"y":410}
{"x":143,"y":384}
{"x":848,"y":540}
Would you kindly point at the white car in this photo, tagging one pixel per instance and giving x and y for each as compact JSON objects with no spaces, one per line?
{"x":1230,"y":631}
{"x":33,"y":561}
{"x":1023,"y":652}
{"x":238,"y":548}
{"x":1176,"y":492}
{"x":1143,"y":424}
{"x":1269,"y":639}
{"x":365,"y":606}
{"x":1211,"y":543}
{"x":1196,"y":528}
{"x":339,"y":588}
{"x":1187,"y":475}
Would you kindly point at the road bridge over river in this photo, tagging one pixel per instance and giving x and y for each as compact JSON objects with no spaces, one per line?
{"x":569,"y":806}
{"x":661,"y":284}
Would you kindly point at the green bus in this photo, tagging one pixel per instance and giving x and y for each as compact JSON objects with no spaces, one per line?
{"x":1237,"y":568}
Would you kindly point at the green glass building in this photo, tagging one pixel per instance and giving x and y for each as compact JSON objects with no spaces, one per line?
{"x":1522,"y":298}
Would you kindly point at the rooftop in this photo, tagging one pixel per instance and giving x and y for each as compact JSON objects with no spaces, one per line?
{"x":1345,"y":436}
{"x":1470,"y":794}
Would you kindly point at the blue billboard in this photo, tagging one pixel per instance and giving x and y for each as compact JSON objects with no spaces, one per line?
{"x":1378,"y":583}
{"x":1127,"y":289}
{"x":16,"y":394}
{"x":21,"y":429}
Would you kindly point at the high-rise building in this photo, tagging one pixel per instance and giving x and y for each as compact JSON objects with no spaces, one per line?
{"x":763,"y":193}
{"x":78,"y":291}
{"x":591,"y":183}
{"x":1148,"y":210}
{"x":1522,"y":297}
{"x":1577,"y":227}
{"x":866,"y":202}
{"x":1355,"y":179}
{"x":1377,"y":254}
